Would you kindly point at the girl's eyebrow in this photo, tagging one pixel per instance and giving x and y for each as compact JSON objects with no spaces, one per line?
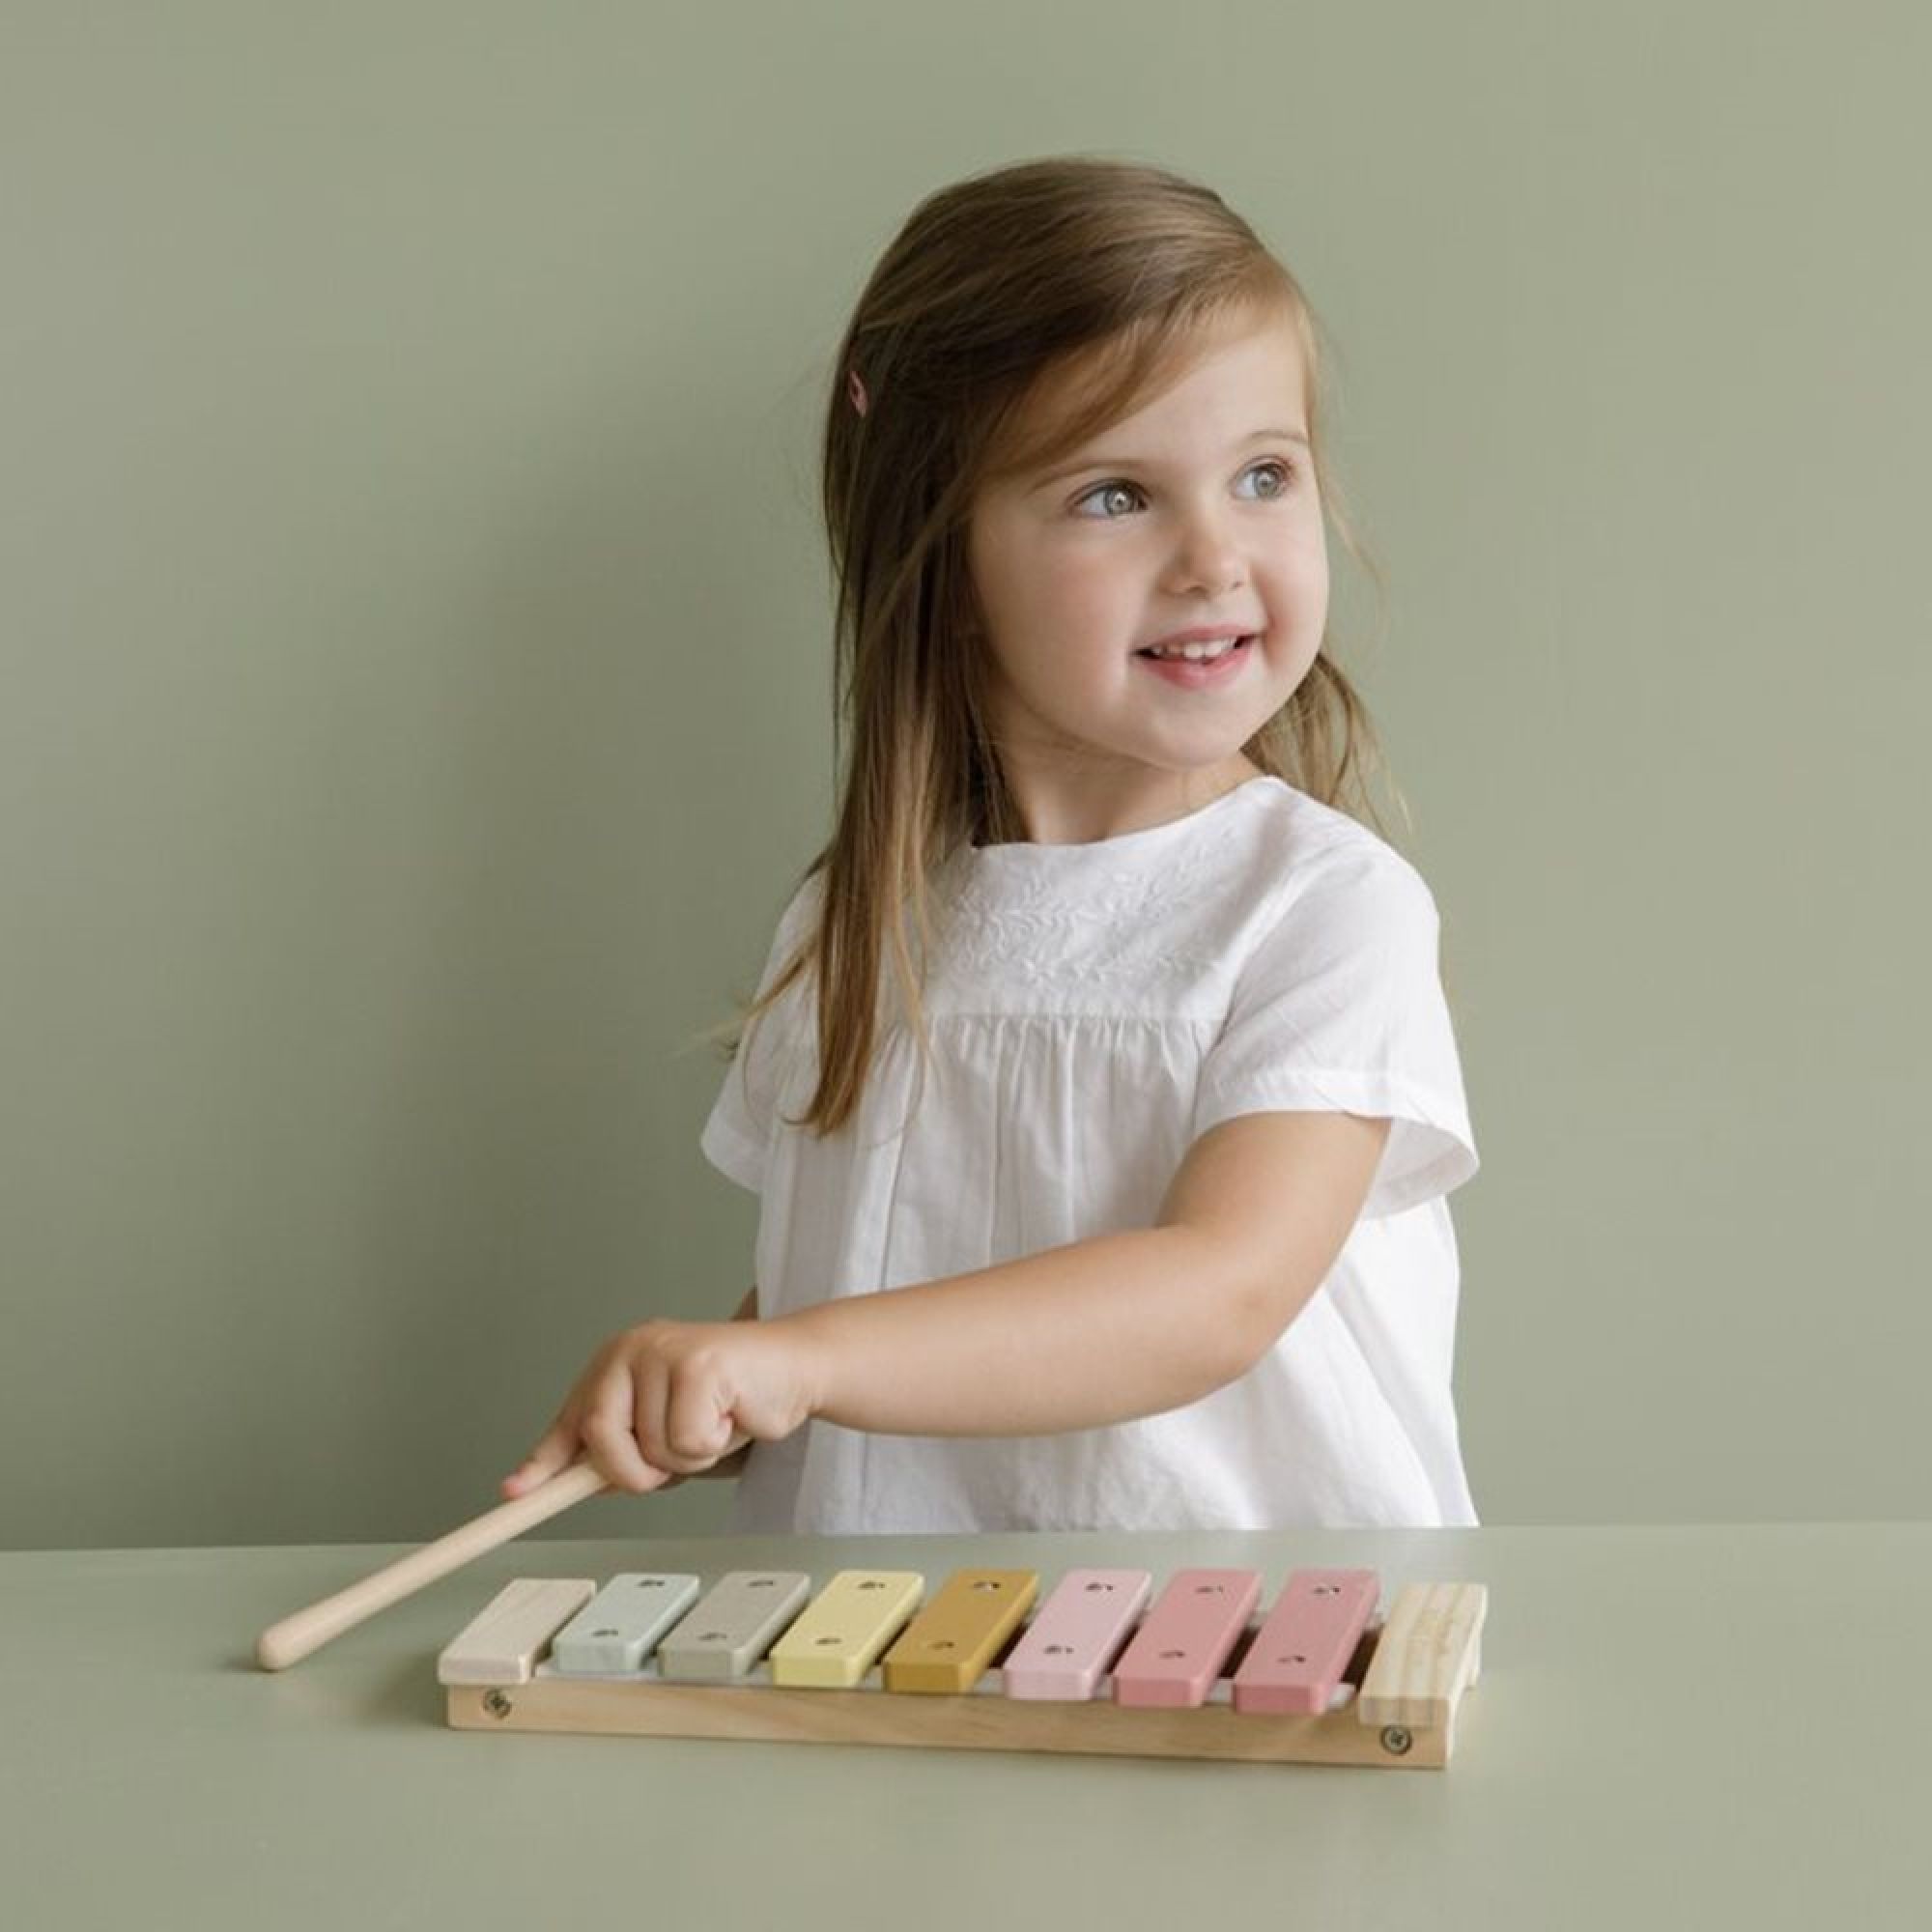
{"x":1140,"y":462}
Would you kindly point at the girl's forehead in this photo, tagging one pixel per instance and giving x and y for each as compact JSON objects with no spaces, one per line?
{"x":1050,"y":418}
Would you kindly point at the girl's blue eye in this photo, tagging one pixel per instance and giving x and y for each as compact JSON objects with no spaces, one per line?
{"x":1120,"y":483}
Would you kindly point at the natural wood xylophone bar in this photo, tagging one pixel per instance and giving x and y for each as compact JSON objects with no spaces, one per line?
{"x":1195,"y":1672}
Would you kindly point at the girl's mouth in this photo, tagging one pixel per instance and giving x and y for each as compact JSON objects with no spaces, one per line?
{"x":1193,"y":674}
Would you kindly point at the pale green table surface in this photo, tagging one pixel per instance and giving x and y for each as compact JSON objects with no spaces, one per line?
{"x":1708,"y":1726}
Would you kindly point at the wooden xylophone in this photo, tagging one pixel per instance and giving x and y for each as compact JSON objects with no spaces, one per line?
{"x":1104,"y":1665}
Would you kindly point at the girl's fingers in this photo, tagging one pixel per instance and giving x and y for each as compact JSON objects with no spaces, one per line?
{"x":697,"y":1422}
{"x":611,"y":1443}
{"x":613,"y":1450}
{"x":659,"y":1420}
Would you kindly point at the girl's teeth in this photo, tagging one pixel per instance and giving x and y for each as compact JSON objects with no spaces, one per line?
{"x":1198,"y":652}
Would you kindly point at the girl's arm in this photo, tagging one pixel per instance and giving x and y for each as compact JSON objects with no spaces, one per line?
{"x":1076,"y":1337}
{"x":1117,"y":1326}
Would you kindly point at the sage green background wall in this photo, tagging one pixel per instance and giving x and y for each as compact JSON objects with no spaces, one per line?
{"x":417,"y":664}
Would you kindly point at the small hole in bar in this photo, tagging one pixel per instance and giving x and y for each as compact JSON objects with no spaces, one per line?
{"x":604,"y":1632}
{"x":1099,"y":1586}
{"x":942,"y":1643}
{"x":871,"y":1583}
{"x":1174,"y":1652}
{"x":988,"y":1583}
{"x":650,"y":1583}
{"x":1060,"y":1650}
{"x":716,"y":1636}
{"x":1208,"y":1589}
{"x":759,"y":1583}
{"x":826,"y":1642}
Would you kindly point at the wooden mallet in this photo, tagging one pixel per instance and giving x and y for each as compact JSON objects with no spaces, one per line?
{"x":294,"y":1637}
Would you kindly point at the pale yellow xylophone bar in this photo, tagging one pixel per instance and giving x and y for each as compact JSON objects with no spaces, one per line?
{"x":845,"y":1628}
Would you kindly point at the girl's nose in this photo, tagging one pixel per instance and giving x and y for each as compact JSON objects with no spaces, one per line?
{"x":1207,"y":557}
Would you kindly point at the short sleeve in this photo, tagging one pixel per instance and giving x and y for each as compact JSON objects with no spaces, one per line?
{"x":1340,"y":1007}
{"x":736,"y":1138}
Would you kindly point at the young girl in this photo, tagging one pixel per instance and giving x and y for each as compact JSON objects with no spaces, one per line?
{"x":1131,"y":1213}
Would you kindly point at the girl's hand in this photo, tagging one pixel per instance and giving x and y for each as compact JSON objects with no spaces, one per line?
{"x":667,"y":1399}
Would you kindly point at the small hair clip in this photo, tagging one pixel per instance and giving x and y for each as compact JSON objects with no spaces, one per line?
{"x":856,"y":389}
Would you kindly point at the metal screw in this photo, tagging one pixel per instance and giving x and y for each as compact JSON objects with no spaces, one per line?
{"x":496,"y":1704}
{"x":1395,"y":1740}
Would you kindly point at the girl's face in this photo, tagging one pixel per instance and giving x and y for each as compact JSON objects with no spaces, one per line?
{"x":1199,"y":511}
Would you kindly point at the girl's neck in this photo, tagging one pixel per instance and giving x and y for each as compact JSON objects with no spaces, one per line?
{"x":1056,"y":816}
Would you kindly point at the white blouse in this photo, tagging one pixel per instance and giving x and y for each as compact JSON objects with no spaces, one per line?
{"x":1093,"y":1010}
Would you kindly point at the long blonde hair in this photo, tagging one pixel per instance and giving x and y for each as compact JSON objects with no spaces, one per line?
{"x":993,"y":287}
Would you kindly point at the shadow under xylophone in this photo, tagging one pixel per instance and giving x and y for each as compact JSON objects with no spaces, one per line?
{"x":1195,"y":1672}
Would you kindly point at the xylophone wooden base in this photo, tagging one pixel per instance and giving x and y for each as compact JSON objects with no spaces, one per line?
{"x":647,"y":1705}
